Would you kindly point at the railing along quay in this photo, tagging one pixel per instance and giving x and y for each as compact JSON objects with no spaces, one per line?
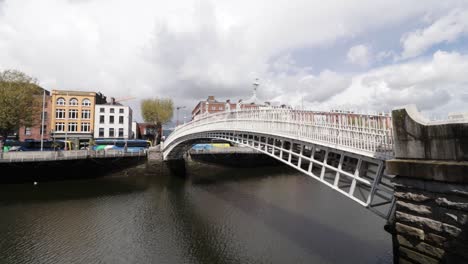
{"x":33,"y":156}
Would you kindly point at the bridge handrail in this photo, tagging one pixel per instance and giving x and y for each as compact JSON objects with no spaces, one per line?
{"x":370,"y":134}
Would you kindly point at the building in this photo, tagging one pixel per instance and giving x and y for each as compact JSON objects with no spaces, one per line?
{"x":135,"y":130}
{"x":148,"y":131}
{"x":113,"y":120}
{"x":34,"y":131}
{"x":73,"y":115}
{"x":458,"y":116}
{"x":211,"y":105}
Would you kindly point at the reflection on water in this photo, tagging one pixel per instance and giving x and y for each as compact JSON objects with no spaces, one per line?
{"x":217,"y":215}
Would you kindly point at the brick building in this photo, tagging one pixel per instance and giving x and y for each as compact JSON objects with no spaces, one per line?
{"x":34,"y":131}
{"x":211,"y":105}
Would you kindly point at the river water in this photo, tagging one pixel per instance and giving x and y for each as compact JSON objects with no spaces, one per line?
{"x":217,"y":215}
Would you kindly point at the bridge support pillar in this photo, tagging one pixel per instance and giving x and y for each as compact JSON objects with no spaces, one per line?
{"x":430,"y":222}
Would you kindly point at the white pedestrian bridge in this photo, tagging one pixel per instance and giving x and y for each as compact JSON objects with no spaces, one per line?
{"x":345,"y":151}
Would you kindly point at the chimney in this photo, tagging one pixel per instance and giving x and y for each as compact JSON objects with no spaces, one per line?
{"x":112,"y":100}
{"x":211,"y":98}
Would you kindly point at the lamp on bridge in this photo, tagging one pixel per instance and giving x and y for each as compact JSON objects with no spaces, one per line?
{"x":177,"y":108}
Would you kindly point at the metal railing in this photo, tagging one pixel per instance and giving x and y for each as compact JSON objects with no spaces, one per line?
{"x":366,"y":134}
{"x":31,"y":156}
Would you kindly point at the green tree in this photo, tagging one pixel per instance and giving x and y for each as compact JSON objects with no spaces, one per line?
{"x":17,"y":104}
{"x":157,"y":111}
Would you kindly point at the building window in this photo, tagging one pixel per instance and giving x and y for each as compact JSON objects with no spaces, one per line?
{"x":111,"y":132}
{"x":220,"y":108}
{"x":121,"y":110}
{"x":86,"y":114}
{"x":86,"y":102}
{"x":111,"y":119}
{"x":73,"y":101}
{"x":121,"y":118}
{"x":61,"y":101}
{"x":101,"y":110}
{"x":60,"y":113}
{"x":44,"y":128}
{"x":60,"y":127}
{"x":73,"y":114}
{"x":101,"y":119}
{"x":72,"y":127}
{"x":85,"y":127}
{"x":27,"y":131}
{"x":101,"y":132}
{"x":121,"y":132}
{"x":112,"y":110}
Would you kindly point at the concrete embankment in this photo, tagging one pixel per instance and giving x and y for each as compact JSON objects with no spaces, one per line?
{"x":28,"y":167}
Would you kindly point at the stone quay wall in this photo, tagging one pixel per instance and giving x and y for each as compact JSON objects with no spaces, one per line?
{"x":431,"y":189}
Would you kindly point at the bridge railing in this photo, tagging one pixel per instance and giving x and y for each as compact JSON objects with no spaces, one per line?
{"x":367,"y":134}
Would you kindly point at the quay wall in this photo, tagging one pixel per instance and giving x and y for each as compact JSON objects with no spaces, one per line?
{"x":430,"y":223}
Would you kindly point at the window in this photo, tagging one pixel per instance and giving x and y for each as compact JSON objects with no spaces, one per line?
{"x":72,"y":127}
{"x":111,"y":119}
{"x":27,"y":131}
{"x":121,"y":110}
{"x":111,"y":132}
{"x":86,"y":102}
{"x":101,"y":110}
{"x":101,"y":132}
{"x":220,"y":108}
{"x":85,"y":127}
{"x":112,"y":110}
{"x":73,"y":114}
{"x":44,"y":128}
{"x":121,"y":132}
{"x":86,"y":114}
{"x":61,"y":101}
{"x":73,"y":101}
{"x":60,"y":113}
{"x":45,"y":116}
{"x":101,"y":119}
{"x":121,"y":119}
{"x":59,"y":127}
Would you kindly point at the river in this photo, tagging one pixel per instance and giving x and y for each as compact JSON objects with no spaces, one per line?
{"x":216,"y":215}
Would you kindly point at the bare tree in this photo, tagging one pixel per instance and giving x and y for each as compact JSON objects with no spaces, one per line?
{"x":157,"y":111}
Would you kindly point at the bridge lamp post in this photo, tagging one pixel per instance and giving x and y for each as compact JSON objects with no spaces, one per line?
{"x":177,"y":109}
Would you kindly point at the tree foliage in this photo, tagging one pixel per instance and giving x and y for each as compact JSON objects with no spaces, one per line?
{"x":17,"y":104}
{"x":157,"y":111}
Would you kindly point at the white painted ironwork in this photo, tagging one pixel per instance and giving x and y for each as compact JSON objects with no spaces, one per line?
{"x":368,"y":135}
{"x":345,"y":151}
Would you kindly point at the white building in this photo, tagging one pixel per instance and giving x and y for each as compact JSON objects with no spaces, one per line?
{"x":134,"y":130}
{"x":113,"y":120}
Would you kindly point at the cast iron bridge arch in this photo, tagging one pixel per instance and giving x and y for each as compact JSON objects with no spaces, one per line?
{"x":345,"y":151}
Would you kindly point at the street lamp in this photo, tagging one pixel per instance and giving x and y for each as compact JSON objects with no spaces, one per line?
{"x":177,"y":108}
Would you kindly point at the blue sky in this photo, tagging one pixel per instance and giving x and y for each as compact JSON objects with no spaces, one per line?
{"x":361,"y":55}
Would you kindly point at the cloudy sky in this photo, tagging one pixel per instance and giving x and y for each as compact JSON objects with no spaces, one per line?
{"x":360,"y":54}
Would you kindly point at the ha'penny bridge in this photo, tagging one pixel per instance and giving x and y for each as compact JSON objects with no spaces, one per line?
{"x":407,"y":169}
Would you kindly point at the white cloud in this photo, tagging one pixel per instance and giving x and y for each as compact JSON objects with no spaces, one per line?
{"x":360,"y":55}
{"x":438,"y":84}
{"x":446,"y":29}
{"x":190,"y":49}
